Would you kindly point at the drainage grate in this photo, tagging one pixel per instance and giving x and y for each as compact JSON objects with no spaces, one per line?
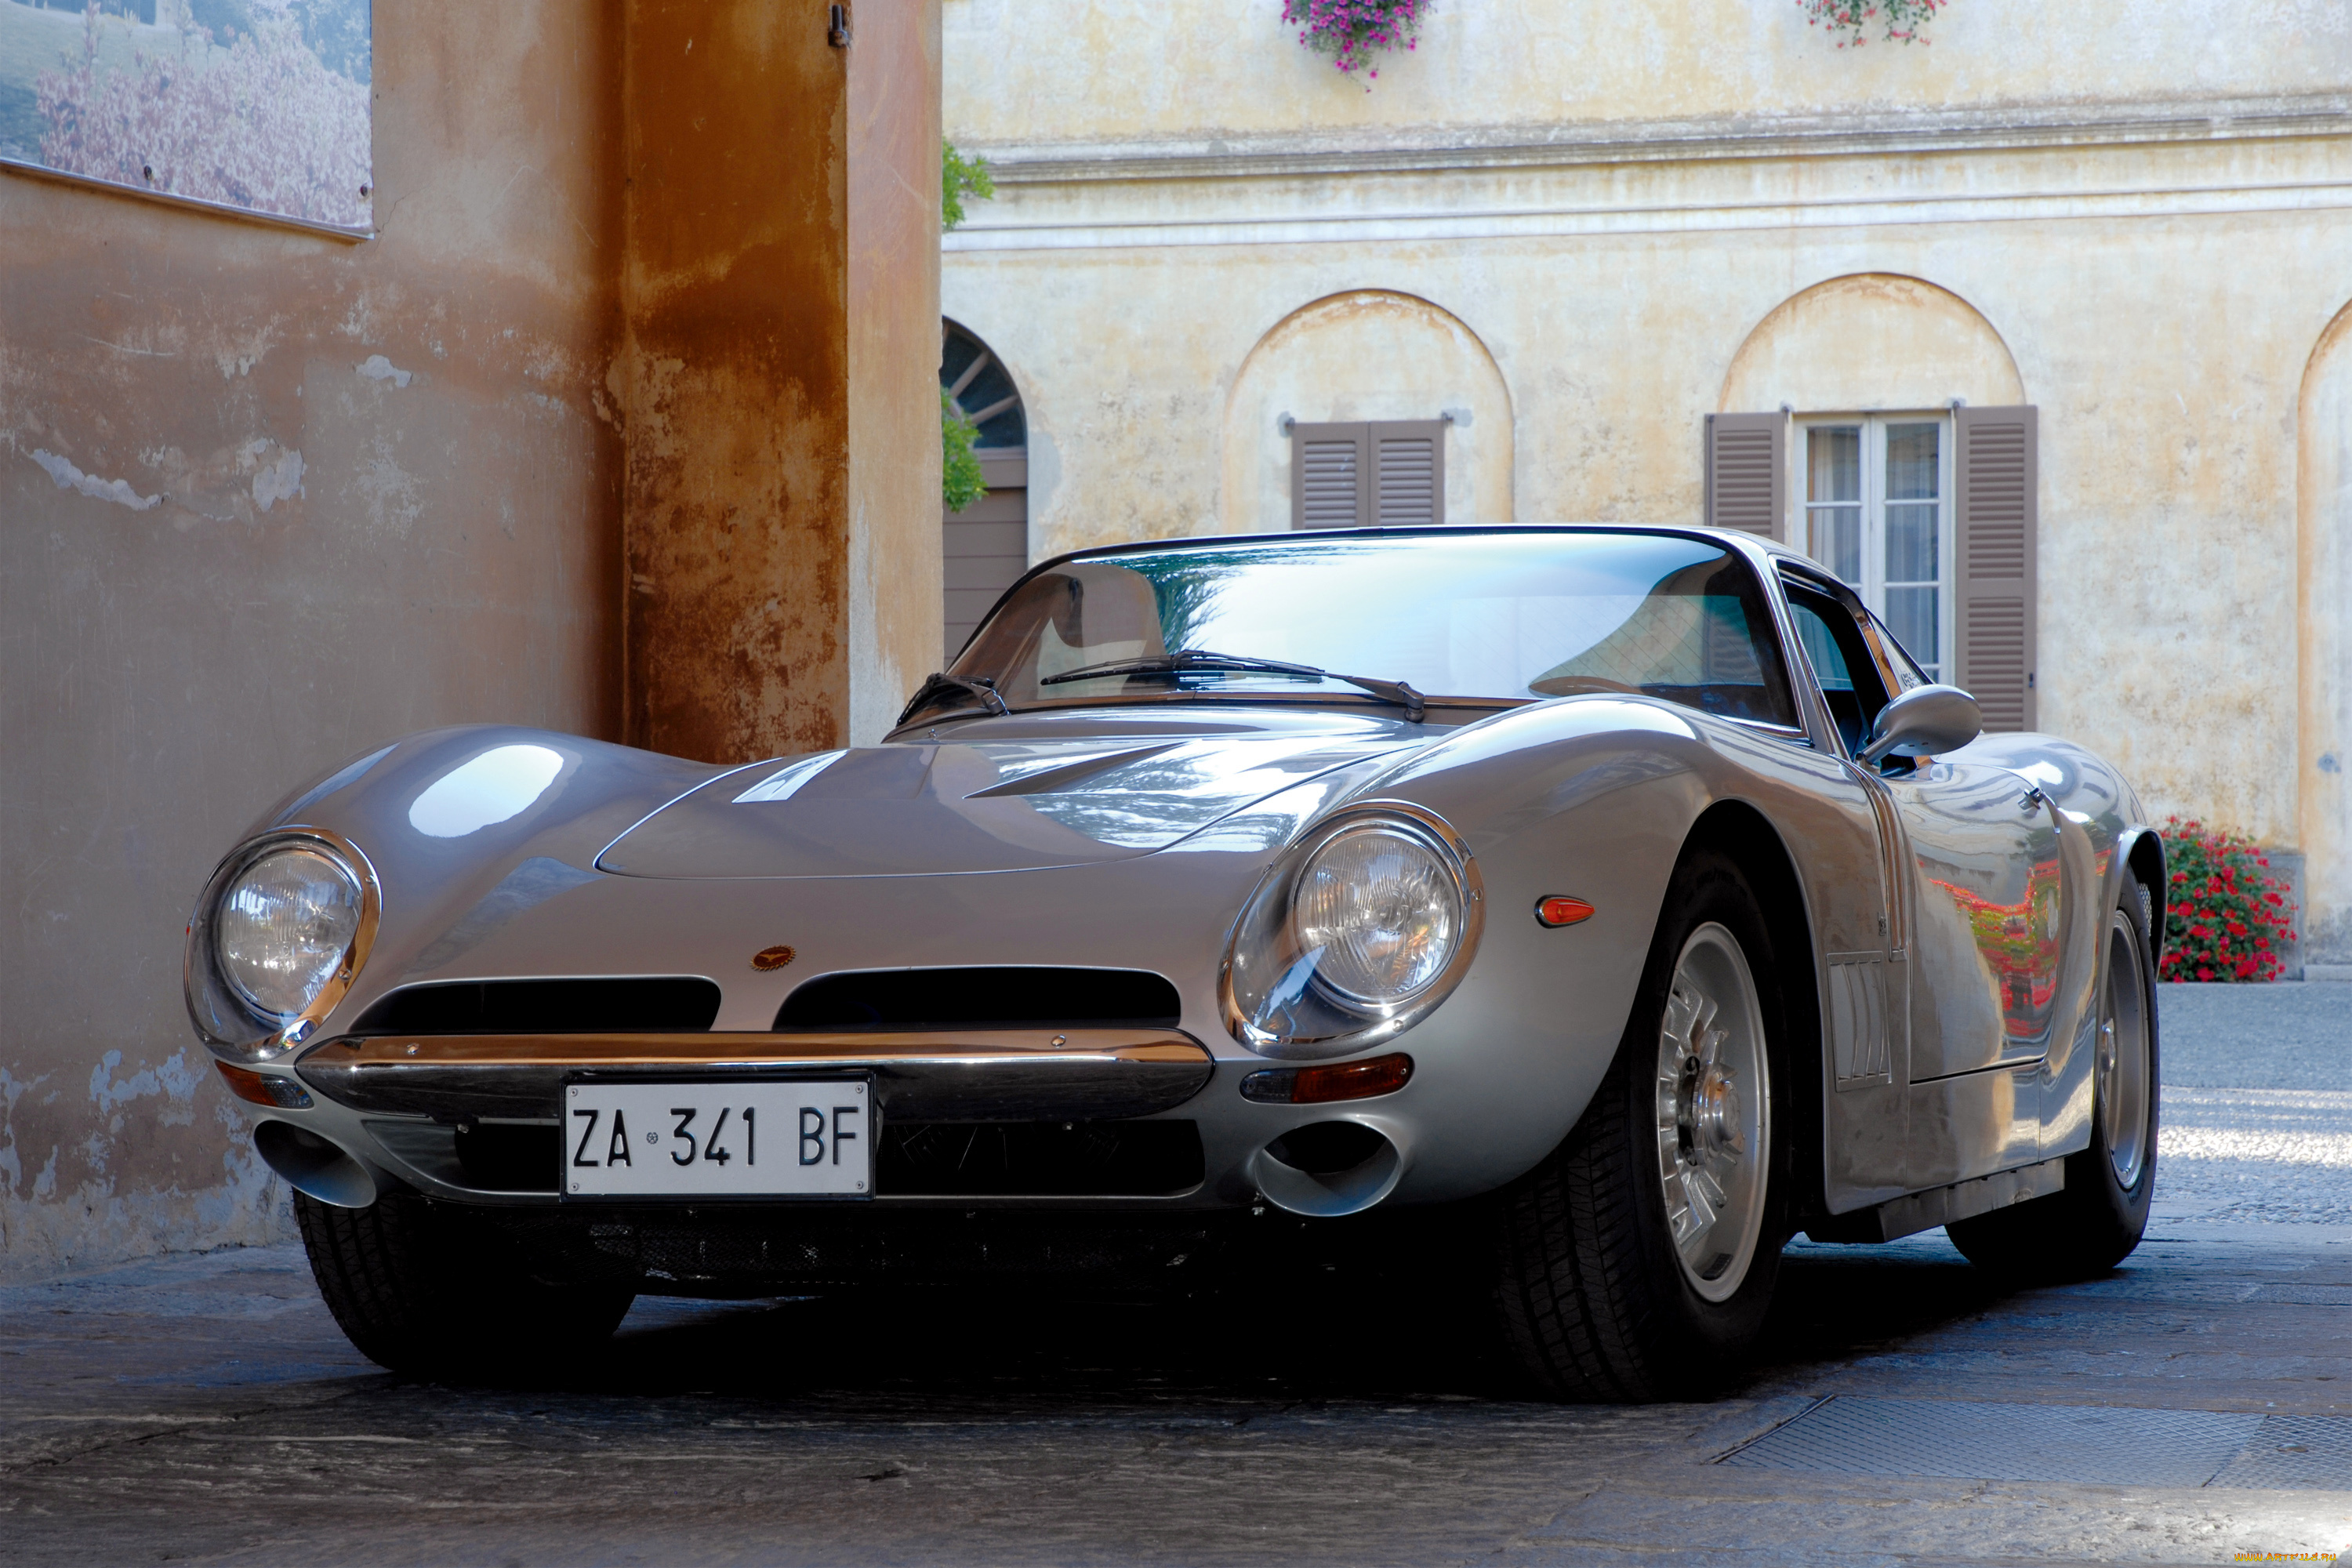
{"x":2294,"y":1453}
{"x":2092,"y":1444}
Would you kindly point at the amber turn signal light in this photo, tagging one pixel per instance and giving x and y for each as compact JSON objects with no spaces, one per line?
{"x":265,"y":1088}
{"x":1559,"y":910}
{"x":1321,"y":1086}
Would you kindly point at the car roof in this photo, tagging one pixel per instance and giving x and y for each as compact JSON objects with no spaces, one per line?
{"x":1754,"y":547}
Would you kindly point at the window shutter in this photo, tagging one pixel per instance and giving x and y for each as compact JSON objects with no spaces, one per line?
{"x":1747,"y":469}
{"x":985,"y":547}
{"x":1996,"y":485}
{"x":1330,"y":476}
{"x":1408,"y":473}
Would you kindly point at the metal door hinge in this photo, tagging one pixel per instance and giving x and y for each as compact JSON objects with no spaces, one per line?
{"x":837,"y":31}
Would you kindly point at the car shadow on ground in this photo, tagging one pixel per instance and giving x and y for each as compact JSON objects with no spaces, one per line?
{"x":1306,"y":1331}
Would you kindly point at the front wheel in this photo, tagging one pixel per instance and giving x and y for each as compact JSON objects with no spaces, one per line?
{"x":1637,"y":1260}
{"x":2093,"y":1222}
{"x":421,"y":1289}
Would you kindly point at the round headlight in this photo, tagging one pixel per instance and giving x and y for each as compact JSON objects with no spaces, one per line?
{"x":283,"y":927}
{"x":1384,"y":910}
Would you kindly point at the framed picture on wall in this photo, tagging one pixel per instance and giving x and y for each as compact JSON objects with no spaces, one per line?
{"x":259,"y":106}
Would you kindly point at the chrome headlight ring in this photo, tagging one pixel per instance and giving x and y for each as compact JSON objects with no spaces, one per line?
{"x":229,"y":1022}
{"x":1272,"y":989}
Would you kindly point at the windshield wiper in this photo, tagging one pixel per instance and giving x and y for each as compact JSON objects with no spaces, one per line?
{"x":980,"y":686}
{"x":1187,"y":660}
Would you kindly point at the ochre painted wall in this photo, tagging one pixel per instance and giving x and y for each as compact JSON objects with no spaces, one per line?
{"x":782,"y":298}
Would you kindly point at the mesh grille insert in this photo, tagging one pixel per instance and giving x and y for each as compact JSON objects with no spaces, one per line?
{"x":1039,"y":1159}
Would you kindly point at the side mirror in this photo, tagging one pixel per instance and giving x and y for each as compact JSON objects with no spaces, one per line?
{"x":1924,"y":722}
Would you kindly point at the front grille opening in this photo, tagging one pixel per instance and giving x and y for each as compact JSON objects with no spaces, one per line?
{"x":1038,"y":1159}
{"x":663,"y":1004}
{"x":510,"y":1157}
{"x":1010,"y":996}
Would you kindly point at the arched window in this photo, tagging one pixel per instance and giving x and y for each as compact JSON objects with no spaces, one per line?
{"x":985,"y":546}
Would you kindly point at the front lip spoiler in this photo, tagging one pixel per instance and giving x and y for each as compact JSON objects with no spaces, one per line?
{"x":964,"y":1074}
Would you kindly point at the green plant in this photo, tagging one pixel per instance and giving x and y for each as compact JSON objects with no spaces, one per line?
{"x":2224,"y":919}
{"x":960,"y":177}
{"x":960,"y":481}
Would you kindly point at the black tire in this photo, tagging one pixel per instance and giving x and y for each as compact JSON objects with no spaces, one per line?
{"x":2096,"y":1220}
{"x":421,"y":1290}
{"x":1592,"y":1298}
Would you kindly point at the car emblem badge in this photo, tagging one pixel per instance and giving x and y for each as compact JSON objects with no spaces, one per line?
{"x":772,"y":958}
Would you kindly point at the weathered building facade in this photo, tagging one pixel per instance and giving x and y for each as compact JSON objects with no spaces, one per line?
{"x":619,"y":423}
{"x":2040,"y":331}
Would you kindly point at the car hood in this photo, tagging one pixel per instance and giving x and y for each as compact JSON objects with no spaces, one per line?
{"x":933,"y":809}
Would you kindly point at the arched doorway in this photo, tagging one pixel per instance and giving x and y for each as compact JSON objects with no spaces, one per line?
{"x":1395,"y":367}
{"x":985,"y":546}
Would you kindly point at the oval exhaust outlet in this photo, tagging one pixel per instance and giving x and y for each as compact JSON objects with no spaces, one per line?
{"x":1328,"y":1168}
{"x":313,"y":1165}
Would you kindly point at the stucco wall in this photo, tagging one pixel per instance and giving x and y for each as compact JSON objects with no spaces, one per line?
{"x":623,"y":424}
{"x":2323,"y":579}
{"x":314,"y":494}
{"x":2142,"y":227}
{"x":1128,"y":70}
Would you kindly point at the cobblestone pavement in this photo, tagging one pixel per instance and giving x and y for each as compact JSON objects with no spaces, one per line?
{"x":203,"y":1409}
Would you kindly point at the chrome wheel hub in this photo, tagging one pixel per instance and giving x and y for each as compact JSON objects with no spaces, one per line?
{"x":1713,"y":1125}
{"x":2121,"y":1054}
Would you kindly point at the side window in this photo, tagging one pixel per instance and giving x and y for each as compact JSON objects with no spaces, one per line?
{"x":1833,"y":646}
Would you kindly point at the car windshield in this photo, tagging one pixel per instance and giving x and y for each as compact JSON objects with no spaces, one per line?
{"x":1481,"y":617}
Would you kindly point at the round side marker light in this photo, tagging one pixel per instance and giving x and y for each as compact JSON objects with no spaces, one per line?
{"x":1559,"y":910}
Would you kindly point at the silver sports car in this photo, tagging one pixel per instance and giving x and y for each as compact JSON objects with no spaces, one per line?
{"x":1624,"y":897}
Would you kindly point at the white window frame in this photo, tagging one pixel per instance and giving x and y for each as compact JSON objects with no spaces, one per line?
{"x":1873,"y":586}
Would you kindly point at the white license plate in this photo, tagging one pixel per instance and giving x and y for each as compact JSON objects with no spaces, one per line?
{"x":804,"y":1138}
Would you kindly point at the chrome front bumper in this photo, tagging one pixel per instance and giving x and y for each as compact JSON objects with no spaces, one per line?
{"x":996,"y":1074}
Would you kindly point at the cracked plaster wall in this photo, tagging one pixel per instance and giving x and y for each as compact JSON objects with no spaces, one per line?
{"x":266,"y":501}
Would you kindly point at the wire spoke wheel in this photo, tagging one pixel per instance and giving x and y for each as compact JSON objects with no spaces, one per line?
{"x":1714,"y":1114}
{"x":2123,"y":1073}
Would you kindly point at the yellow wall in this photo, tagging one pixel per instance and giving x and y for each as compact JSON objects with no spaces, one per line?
{"x":1022,"y":72}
